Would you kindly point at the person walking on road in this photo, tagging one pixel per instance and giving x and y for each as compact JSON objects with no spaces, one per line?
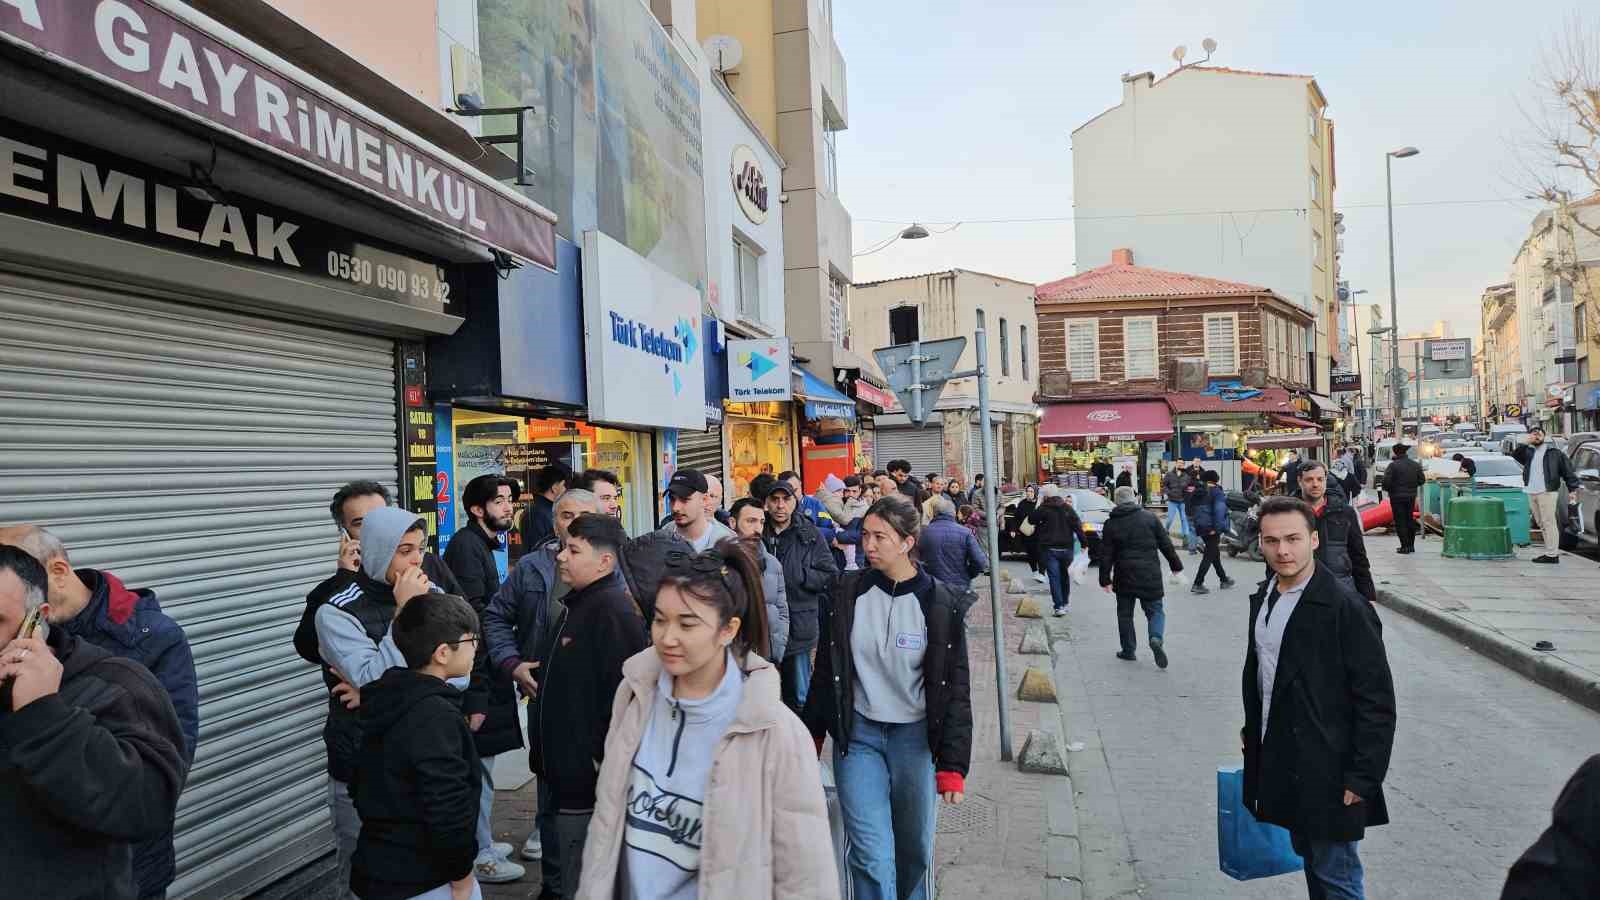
{"x":749,"y":521}
{"x":1013,"y":528}
{"x":948,"y":549}
{"x":1131,"y":545}
{"x":1341,"y":549}
{"x":1194,"y":492}
{"x":705,"y":699}
{"x":1056,"y":526}
{"x":809,"y":573}
{"x":1210,"y":519}
{"x":1546,"y":476}
{"x":1319,"y":708}
{"x":1401,"y":481}
{"x":1174,"y":487}
{"x":893,"y":691}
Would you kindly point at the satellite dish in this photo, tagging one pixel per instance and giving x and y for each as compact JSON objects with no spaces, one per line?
{"x":1209,"y":45}
{"x":1179,"y":53}
{"x":725,"y":52}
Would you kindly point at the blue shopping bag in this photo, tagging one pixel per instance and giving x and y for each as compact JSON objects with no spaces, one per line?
{"x":1246,"y":848}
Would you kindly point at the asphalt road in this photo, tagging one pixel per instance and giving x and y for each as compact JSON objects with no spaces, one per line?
{"x":1480,"y":754}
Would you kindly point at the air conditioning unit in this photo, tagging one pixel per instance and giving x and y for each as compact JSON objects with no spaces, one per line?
{"x":1055,"y":383}
{"x":1188,"y":373}
{"x":1254,"y":376}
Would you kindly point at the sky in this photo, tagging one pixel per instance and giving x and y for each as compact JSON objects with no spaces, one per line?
{"x":961,"y":111}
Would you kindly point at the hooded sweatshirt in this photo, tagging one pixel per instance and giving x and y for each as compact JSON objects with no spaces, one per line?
{"x":665,"y":812}
{"x":380,"y":537}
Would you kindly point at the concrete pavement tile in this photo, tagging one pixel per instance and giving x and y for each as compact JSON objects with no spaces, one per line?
{"x":1062,"y":857}
{"x":1063,"y":889}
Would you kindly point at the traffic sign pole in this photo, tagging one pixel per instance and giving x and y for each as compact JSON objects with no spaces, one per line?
{"x":993,"y":517}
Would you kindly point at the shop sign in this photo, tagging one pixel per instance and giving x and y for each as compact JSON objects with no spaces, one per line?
{"x":1103,"y":415}
{"x":1513,"y":410}
{"x":1439,"y":351}
{"x":823,"y":409}
{"x":1340,"y":382}
{"x":51,"y":179}
{"x":749,"y":184}
{"x":879,"y":398}
{"x":642,"y":337}
{"x":760,"y":370}
{"x":145,"y":50}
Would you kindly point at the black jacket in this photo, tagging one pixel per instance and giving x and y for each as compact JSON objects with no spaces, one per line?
{"x":1332,"y":720}
{"x":305,"y":634}
{"x":1056,"y":524}
{"x":1131,"y":546}
{"x":809,"y":574}
{"x":1557,"y":467}
{"x":1564,"y":863}
{"x":830,"y":707}
{"x":470,"y":556}
{"x":1403,"y":478}
{"x":538,"y":522}
{"x":416,"y":788}
{"x":1101,"y":471}
{"x":1341,"y":547}
{"x":601,"y":628}
{"x":84,"y":774}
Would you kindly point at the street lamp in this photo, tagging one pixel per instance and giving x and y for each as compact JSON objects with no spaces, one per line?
{"x":1394,"y":310}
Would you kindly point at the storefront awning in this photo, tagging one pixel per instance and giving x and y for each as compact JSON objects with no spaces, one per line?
{"x":1323,"y":406}
{"x":1280,"y":440}
{"x":1144,"y":420}
{"x":822,"y":400}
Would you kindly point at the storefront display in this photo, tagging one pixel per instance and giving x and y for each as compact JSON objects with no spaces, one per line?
{"x":759,"y":438}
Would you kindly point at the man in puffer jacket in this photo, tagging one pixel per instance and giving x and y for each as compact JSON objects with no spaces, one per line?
{"x":1056,"y":527}
{"x":1210,"y":512}
{"x":948,"y":549}
{"x":1131,"y":546}
{"x":809,"y":574}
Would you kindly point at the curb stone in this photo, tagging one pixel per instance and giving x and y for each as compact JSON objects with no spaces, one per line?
{"x":1545,"y":669}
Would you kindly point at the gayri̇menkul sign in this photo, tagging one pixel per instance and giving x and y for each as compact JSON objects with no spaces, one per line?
{"x":144,"y":49}
{"x":749,"y":184}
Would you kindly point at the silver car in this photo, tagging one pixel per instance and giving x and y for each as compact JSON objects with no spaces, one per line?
{"x":1586,"y":463}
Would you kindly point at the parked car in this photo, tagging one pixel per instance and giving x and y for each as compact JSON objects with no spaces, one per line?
{"x":1492,"y":469}
{"x":1586,"y":463}
{"x":1381,"y":455}
{"x":1093,"y":509}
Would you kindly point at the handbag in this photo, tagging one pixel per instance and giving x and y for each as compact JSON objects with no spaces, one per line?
{"x":1026,"y":527}
{"x":1246,"y":848}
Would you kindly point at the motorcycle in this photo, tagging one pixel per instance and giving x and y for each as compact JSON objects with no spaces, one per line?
{"x":1243,"y":534}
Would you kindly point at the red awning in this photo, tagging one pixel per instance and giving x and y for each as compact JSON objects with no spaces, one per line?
{"x":1142,"y":420}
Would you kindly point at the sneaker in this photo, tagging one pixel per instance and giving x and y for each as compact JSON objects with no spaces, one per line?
{"x":491,"y":869}
{"x":1547,"y":559}
{"x":1199,"y":589}
{"x":533,"y":850}
{"x":501,"y":849}
{"x":1228,"y":583}
{"x":1160,"y":653}
{"x":1405,"y":550}
{"x":1041,"y":578}
{"x":1124,"y":654}
{"x":1059,"y":611}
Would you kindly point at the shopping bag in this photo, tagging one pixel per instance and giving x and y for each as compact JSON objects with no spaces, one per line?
{"x":1248,"y":849}
{"x":1079,"y":569}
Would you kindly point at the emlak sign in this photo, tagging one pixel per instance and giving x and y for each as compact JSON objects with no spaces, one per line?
{"x":141,"y":48}
{"x":644,"y":359}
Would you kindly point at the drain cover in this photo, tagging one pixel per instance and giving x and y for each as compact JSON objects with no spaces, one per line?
{"x":974,"y":814}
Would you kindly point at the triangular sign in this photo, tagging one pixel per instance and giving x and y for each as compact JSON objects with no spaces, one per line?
{"x":939,"y":360}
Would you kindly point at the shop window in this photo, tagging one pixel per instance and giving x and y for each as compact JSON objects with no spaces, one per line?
{"x":1083,"y":349}
{"x":749,"y":281}
{"x":1222,"y":343}
{"x":904,"y":326}
{"x":1022,"y":336}
{"x":1005,"y":348}
{"x":1139,"y":347}
{"x":838,"y":311}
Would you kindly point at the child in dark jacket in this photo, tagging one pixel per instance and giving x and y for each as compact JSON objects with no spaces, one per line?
{"x":418,"y":779}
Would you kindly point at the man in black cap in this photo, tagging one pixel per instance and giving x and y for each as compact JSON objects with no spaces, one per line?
{"x":691,"y":519}
{"x":1401,"y":481}
{"x":808,"y":573}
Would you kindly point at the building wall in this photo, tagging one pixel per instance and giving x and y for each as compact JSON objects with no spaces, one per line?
{"x":398,"y":39}
{"x":1245,"y":144}
{"x":1179,"y":333}
{"x":725,"y":128}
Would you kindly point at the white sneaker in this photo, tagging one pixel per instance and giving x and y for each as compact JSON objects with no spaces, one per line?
{"x":533,"y":850}
{"x":491,"y":869}
{"x":501,"y":849}
{"x":1041,"y":578}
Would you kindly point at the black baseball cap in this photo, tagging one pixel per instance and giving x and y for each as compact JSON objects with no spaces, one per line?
{"x":776,"y":486}
{"x":686,"y":482}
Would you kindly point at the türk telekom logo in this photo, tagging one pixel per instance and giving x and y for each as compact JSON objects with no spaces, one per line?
{"x":1104,"y":415}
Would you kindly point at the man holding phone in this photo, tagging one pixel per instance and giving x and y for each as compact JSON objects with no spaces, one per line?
{"x":91,"y":754}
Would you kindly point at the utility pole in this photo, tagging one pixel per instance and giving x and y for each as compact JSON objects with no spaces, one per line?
{"x":990,"y":479}
{"x":1418,"y":348}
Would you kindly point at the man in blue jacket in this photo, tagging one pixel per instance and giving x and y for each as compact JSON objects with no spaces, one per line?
{"x":95,"y":606}
{"x":947,"y":548}
{"x":1210,"y":520}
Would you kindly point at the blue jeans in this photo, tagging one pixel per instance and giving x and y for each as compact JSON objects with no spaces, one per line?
{"x":1056,"y":561}
{"x":794,"y":677}
{"x":887,"y":797}
{"x":1155,"y":615}
{"x":1333,"y":868}
{"x":1176,"y":510}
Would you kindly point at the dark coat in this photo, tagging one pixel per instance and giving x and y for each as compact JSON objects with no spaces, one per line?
{"x":520,"y":623}
{"x":130,"y":624}
{"x":539,"y":521}
{"x":577,"y":685}
{"x":417,"y":788}
{"x":1101,"y":471}
{"x":1403,"y":478}
{"x":1564,"y":863}
{"x":85,"y":773}
{"x":950,"y":552}
{"x":1557,"y":467}
{"x":1056,"y":524}
{"x":1209,"y":510}
{"x":809,"y":573}
{"x":1131,"y":546}
{"x":1341,"y":546}
{"x":1332,"y":721}
{"x":470,"y":556}
{"x":830,"y":707}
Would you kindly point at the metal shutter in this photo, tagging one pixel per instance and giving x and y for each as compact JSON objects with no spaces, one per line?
{"x":194,"y":452}
{"x":923,"y":447}
{"x":975,"y":452}
{"x":701,"y":450}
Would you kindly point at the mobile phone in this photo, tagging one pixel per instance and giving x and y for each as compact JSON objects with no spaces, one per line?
{"x":34,"y":626}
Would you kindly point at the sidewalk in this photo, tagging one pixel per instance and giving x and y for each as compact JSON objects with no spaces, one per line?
{"x":1013,"y":837}
{"x":1502,"y":608}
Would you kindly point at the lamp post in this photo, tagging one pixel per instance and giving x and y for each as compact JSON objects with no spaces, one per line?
{"x":1394,"y":310}
{"x":1349,"y":297}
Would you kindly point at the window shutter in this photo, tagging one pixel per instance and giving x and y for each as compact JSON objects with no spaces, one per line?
{"x":1139,"y":347}
{"x":1083,"y":339}
{"x":1221,"y":346}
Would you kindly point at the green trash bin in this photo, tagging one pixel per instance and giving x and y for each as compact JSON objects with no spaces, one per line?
{"x":1518,"y":514}
{"x":1477,"y":529}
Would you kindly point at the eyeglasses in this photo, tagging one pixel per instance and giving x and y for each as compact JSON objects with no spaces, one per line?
{"x":465,"y":640}
{"x":707,"y":563}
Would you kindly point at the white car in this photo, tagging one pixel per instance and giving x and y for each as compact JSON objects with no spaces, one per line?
{"x":1586,"y":463}
{"x":1492,"y":468}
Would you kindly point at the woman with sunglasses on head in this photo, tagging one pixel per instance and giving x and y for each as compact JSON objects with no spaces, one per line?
{"x":709,"y":785}
{"x":891,"y":687}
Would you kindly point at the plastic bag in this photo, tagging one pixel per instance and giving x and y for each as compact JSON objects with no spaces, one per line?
{"x":1079,"y":569}
{"x":1175,"y":577}
{"x":1248,"y":849}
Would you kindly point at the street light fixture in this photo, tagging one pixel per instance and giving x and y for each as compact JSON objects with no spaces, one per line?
{"x":1394,"y":308}
{"x":913,"y":233}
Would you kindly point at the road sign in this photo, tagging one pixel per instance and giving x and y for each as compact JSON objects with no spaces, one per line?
{"x":1513,"y":410}
{"x":918,"y":372}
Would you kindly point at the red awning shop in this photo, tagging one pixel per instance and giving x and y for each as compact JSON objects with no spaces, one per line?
{"x":1097,"y":422}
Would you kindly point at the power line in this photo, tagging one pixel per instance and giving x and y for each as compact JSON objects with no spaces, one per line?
{"x":1215,"y":212}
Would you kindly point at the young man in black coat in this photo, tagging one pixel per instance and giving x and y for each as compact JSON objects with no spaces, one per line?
{"x":1319,"y":710}
{"x":1402,"y":480}
{"x":809,"y":573}
{"x":1131,"y":546}
{"x":1341,"y":548}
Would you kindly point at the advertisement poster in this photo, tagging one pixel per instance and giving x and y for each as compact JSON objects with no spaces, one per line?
{"x":760,"y":370}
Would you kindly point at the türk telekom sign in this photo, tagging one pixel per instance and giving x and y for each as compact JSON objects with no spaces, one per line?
{"x":143,"y":49}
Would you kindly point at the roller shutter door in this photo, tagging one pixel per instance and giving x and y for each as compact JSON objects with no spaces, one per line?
{"x":923,"y":447}
{"x":701,"y":450}
{"x":194,"y":452}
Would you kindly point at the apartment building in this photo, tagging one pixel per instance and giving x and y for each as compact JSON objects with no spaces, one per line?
{"x":1502,"y":382}
{"x":1221,"y":173}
